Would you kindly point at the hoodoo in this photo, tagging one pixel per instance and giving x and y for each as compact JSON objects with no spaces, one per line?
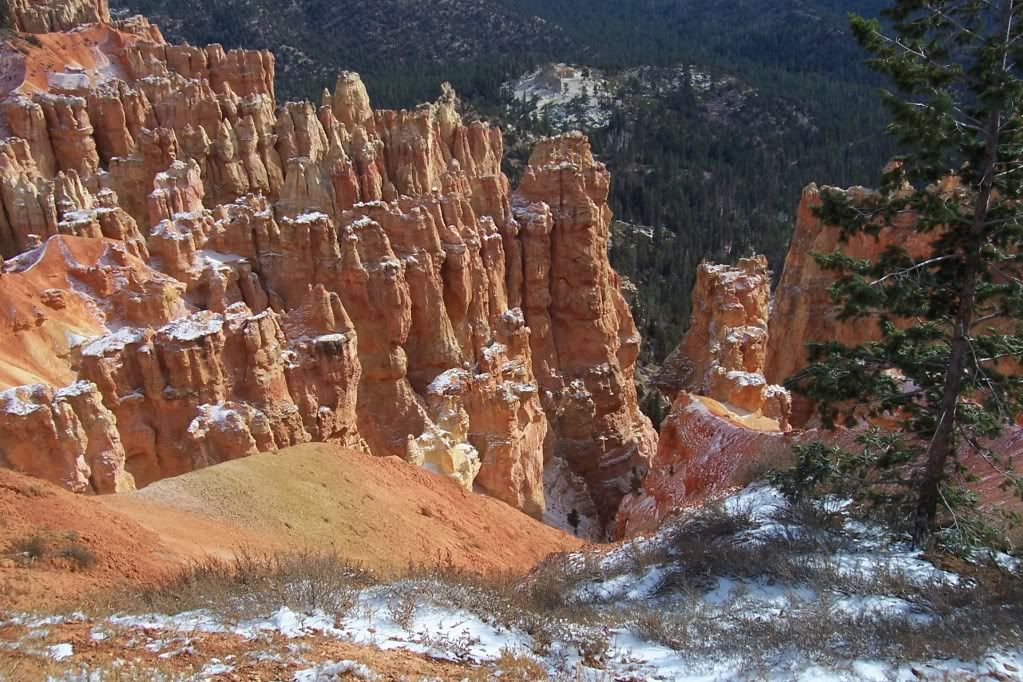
{"x":227,"y":275}
{"x":726,"y":421}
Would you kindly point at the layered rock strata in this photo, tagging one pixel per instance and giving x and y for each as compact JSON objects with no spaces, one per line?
{"x":74,"y":432}
{"x":705,"y":449}
{"x":724,"y":353}
{"x":263,"y":275}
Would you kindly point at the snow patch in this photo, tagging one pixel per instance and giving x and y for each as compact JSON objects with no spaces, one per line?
{"x":328,"y":672}
{"x":194,"y":327}
{"x":113,"y":343}
{"x":61,"y":652}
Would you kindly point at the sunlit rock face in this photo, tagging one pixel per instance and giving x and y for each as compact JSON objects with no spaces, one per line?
{"x":723,"y":354}
{"x":727,"y":424}
{"x":231,"y":275}
{"x":585,"y":342}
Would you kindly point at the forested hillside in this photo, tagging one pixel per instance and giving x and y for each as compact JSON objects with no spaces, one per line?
{"x":699,"y":173}
{"x":402,"y":48}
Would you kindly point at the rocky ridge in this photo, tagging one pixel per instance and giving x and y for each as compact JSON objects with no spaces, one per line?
{"x":45,"y":16}
{"x":226,"y":275}
{"x":728,"y":424}
{"x":726,"y":421}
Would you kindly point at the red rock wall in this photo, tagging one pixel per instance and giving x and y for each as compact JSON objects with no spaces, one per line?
{"x":802,"y":311}
{"x":310,"y":272}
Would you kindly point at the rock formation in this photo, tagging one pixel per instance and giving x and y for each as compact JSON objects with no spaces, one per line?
{"x":721,"y":432}
{"x":584,"y":342}
{"x":196,"y":273}
{"x":73,"y":429}
{"x":45,"y":16}
{"x":802,"y":311}
{"x":724,"y":352}
{"x":233,"y":276}
{"x":726,"y":423}
{"x":705,"y":449}
{"x":500,"y":399}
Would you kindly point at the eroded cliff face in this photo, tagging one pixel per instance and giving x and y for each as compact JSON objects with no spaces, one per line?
{"x":45,"y":16}
{"x":726,"y":423}
{"x":585,"y":342}
{"x":802,"y":311}
{"x":730,"y":421}
{"x":233,"y":276}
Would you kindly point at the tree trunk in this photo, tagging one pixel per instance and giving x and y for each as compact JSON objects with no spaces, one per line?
{"x":943,"y":443}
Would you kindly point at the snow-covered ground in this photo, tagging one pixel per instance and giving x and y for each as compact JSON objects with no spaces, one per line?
{"x":572,"y":96}
{"x":579,"y":97}
{"x":751,"y":588}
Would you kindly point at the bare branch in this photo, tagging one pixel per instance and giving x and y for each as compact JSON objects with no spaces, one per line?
{"x":906,"y":271}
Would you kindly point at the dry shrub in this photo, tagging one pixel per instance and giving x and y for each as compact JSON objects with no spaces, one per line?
{"x":595,"y":648}
{"x":402,"y":608}
{"x":30,"y":549}
{"x":679,"y":628}
{"x":517,"y":667}
{"x":552,"y":583}
{"x":79,"y":555}
{"x":54,"y":549}
{"x":251,"y":585}
{"x":114,"y":671}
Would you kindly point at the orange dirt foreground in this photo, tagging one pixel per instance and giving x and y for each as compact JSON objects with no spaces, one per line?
{"x":382,"y":513}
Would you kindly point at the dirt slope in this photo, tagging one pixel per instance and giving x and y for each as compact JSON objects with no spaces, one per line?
{"x":377,"y":511}
{"x":31,"y":509}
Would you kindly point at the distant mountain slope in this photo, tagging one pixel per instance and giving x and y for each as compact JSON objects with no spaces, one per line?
{"x":713,"y":175}
{"x":797,"y":35}
{"x":403,"y":48}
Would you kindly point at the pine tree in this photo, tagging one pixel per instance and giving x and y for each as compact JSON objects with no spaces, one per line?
{"x":950,"y":320}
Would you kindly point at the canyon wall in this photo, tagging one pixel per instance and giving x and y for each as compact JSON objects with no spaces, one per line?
{"x":727,"y":423}
{"x":219,"y":274}
{"x":802,"y":311}
{"x":585,"y":342}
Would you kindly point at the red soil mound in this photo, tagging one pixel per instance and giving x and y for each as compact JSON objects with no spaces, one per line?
{"x":380,"y":512}
{"x":39,"y":518}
